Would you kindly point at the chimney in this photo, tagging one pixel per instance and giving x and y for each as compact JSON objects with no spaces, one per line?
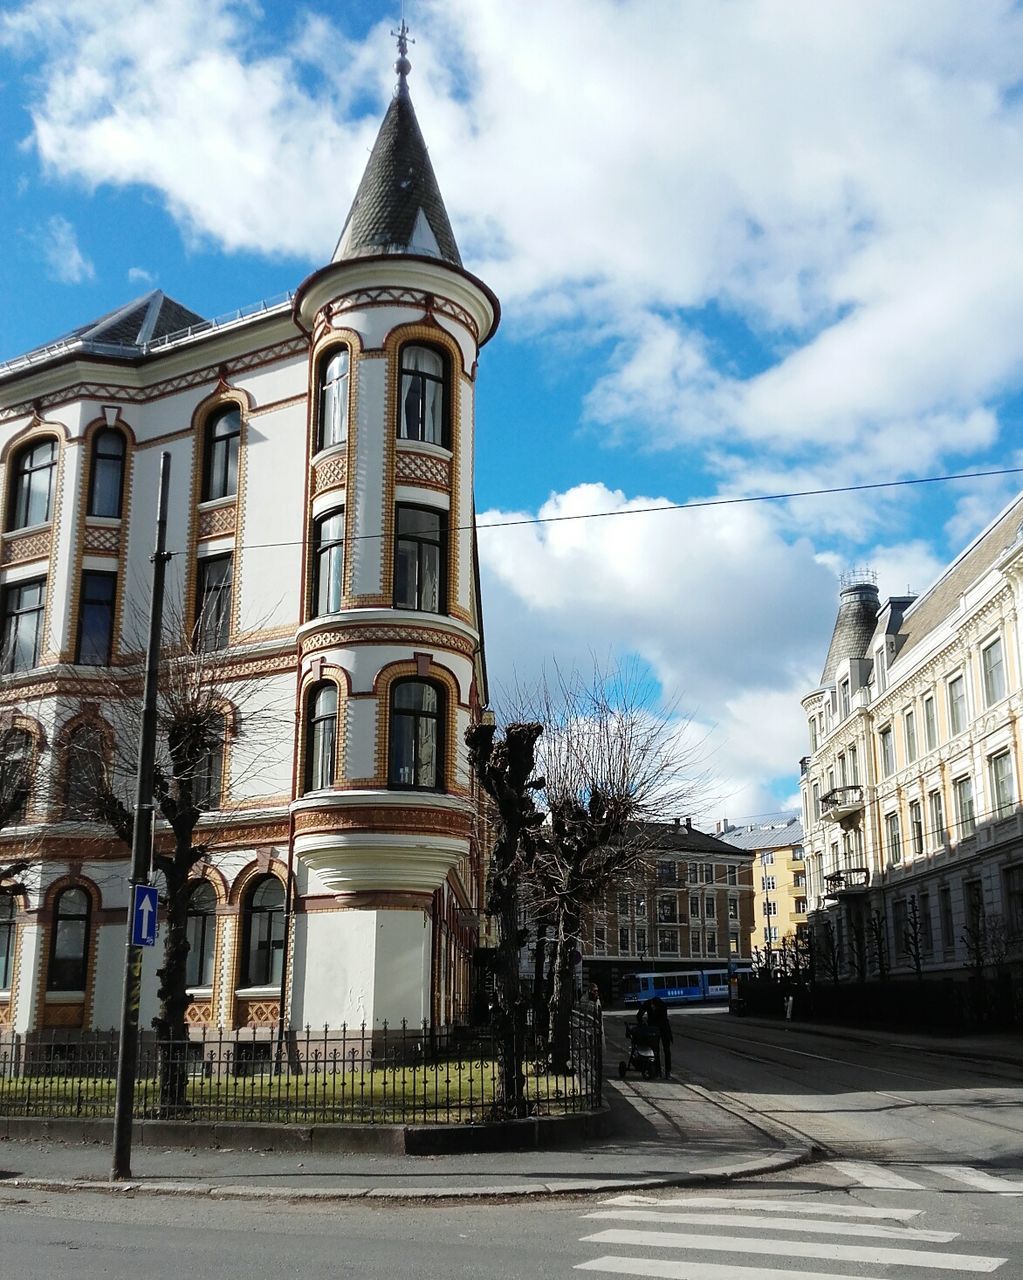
{"x":689,"y":824}
{"x":678,"y":821}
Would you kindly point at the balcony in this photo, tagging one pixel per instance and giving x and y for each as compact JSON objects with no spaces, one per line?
{"x":842,"y":804}
{"x":851,"y":883}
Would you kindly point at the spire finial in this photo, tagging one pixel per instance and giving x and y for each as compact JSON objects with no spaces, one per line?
{"x":402,"y":66}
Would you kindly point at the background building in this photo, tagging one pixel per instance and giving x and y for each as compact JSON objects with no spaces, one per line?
{"x":779,"y":876}
{"x":689,"y":907}
{"x":914,"y":843}
{"x":321,"y":520}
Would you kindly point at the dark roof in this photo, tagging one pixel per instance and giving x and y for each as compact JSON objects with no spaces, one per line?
{"x":398,"y":207}
{"x":671,"y":837}
{"x":854,"y":627}
{"x":942,"y":599}
{"x":152,"y":316}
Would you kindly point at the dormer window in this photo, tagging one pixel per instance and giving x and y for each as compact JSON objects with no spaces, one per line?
{"x":422,"y":405}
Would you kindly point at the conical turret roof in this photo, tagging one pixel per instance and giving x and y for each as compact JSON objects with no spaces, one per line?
{"x":398,"y":207}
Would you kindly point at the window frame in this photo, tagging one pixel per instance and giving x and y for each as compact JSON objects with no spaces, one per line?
{"x":421,"y":541}
{"x":909,"y":733}
{"x":993,"y":676}
{"x":331,"y":551}
{"x":313,"y":749}
{"x":443,"y":381}
{"x":19,"y":812}
{"x":8,"y":937}
{"x":1001,"y":805}
{"x":207,"y":638}
{"x":958,"y":711}
{"x":96,"y":457}
{"x":23,"y":489}
{"x":77,"y":772}
{"x":886,"y":750}
{"x":205,"y":954}
{"x":10,"y":626}
{"x":272,"y":945}
{"x":893,"y":836}
{"x":930,"y":722}
{"x":90,"y":577}
{"x":438,"y":718}
{"x":209,"y":776}
{"x":81,"y":962}
{"x":221,"y":454}
{"x":964,"y":799}
{"x":324,"y":360}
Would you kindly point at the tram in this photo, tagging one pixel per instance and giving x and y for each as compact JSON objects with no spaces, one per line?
{"x":689,"y":986}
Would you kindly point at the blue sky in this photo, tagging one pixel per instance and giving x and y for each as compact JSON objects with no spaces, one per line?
{"x":741,"y":249}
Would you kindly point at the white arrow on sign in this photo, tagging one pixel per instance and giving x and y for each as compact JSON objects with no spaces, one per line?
{"x":145,"y":911}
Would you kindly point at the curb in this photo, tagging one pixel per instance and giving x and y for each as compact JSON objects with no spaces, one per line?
{"x":756,"y":1166}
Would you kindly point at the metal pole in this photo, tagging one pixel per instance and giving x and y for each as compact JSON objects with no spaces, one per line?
{"x":141,"y":848}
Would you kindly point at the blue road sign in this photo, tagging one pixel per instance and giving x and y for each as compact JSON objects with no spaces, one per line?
{"x":143,"y":915}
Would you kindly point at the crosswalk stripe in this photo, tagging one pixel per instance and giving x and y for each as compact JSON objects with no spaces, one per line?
{"x":766,"y":1206}
{"x":765,"y":1223}
{"x":872,"y":1175}
{"x":659,"y":1269}
{"x":977,"y":1178}
{"x":798,"y":1249}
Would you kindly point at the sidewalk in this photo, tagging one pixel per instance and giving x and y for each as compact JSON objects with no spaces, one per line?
{"x":662,"y":1133}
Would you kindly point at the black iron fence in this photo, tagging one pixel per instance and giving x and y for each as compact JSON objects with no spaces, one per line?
{"x":389,"y":1075}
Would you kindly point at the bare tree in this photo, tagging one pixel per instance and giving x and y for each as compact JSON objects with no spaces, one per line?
{"x":878,"y":941}
{"x":827,"y":950}
{"x":610,"y":759}
{"x":913,"y":936}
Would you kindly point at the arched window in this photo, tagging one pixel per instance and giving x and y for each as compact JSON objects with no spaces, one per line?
{"x":15,"y":779}
{"x":84,"y":774}
{"x":220,"y":466}
{"x":416,"y":735}
{"x":321,"y":743}
{"x":202,"y":934}
{"x":332,"y":427}
{"x":264,"y":934}
{"x":69,"y":942}
{"x":422,"y":400}
{"x":106,"y":479}
{"x":420,"y":559}
{"x":329,"y":562}
{"x":32,"y":490}
{"x":208,"y":777}
{"x":8,"y":912}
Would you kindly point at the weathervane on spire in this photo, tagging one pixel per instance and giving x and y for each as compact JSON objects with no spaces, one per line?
{"x":402,"y":66}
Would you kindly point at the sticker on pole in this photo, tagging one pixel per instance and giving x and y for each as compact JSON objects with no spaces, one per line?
{"x":143,"y":915}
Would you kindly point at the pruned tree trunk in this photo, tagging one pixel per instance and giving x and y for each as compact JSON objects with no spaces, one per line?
{"x":562,"y":997}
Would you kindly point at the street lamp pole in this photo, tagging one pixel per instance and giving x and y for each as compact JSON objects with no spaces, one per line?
{"x":141,"y":848}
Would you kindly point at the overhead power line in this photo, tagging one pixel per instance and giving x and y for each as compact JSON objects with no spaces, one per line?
{"x":701,"y":504}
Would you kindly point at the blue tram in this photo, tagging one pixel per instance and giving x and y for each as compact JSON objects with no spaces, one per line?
{"x":689,"y":986}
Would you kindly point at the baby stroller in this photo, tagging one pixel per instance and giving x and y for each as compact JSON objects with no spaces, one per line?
{"x":642,"y":1051}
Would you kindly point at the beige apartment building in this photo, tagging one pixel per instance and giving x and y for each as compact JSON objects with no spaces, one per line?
{"x":914,"y":837}
{"x":779,"y":876}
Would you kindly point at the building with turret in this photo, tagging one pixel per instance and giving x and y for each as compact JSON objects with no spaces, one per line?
{"x":911,"y":791}
{"x":324,"y":566}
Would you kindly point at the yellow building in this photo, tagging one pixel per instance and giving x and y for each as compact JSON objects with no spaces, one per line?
{"x":779,"y":876}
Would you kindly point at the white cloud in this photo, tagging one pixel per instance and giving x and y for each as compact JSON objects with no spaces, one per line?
{"x":139,"y":275}
{"x":65,"y":262}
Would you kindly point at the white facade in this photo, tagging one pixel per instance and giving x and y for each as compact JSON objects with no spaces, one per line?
{"x":911,"y":793}
{"x":347,"y":540}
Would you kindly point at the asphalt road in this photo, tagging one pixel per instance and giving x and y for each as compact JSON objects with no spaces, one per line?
{"x":923,"y":1178}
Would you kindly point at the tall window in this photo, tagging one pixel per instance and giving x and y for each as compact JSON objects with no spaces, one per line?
{"x":321,"y":746}
{"x":992,"y":663}
{"x":264,"y":933}
{"x":106,"y":477}
{"x":213,"y":603}
{"x":957,"y":704}
{"x":916,"y":826}
{"x":8,"y":911}
{"x":926,"y":929}
{"x":1013,"y":899}
{"x":945,"y":918}
{"x":416,"y":735}
{"x":333,"y":401}
{"x":909,"y":727}
{"x":930,"y":723}
{"x":844,"y":701}
{"x":1003,"y":790}
{"x":96,"y":622}
{"x":962,"y":789}
{"x":854,"y":767}
{"x":667,"y":908}
{"x":31,"y":498}
{"x":15,"y":776}
{"x":84,"y":774}
{"x":23,"y":606}
{"x":936,"y":807}
{"x":893,"y":837}
{"x":69,"y":942}
{"x":329,"y":561}
{"x":202,"y":933}
{"x":423,"y":408}
{"x":220,"y":462}
{"x":420,"y":559}
{"x":887,"y":752}
{"x":208,"y":778}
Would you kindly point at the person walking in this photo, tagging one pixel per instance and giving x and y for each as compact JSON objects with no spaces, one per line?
{"x":656,"y":1012}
